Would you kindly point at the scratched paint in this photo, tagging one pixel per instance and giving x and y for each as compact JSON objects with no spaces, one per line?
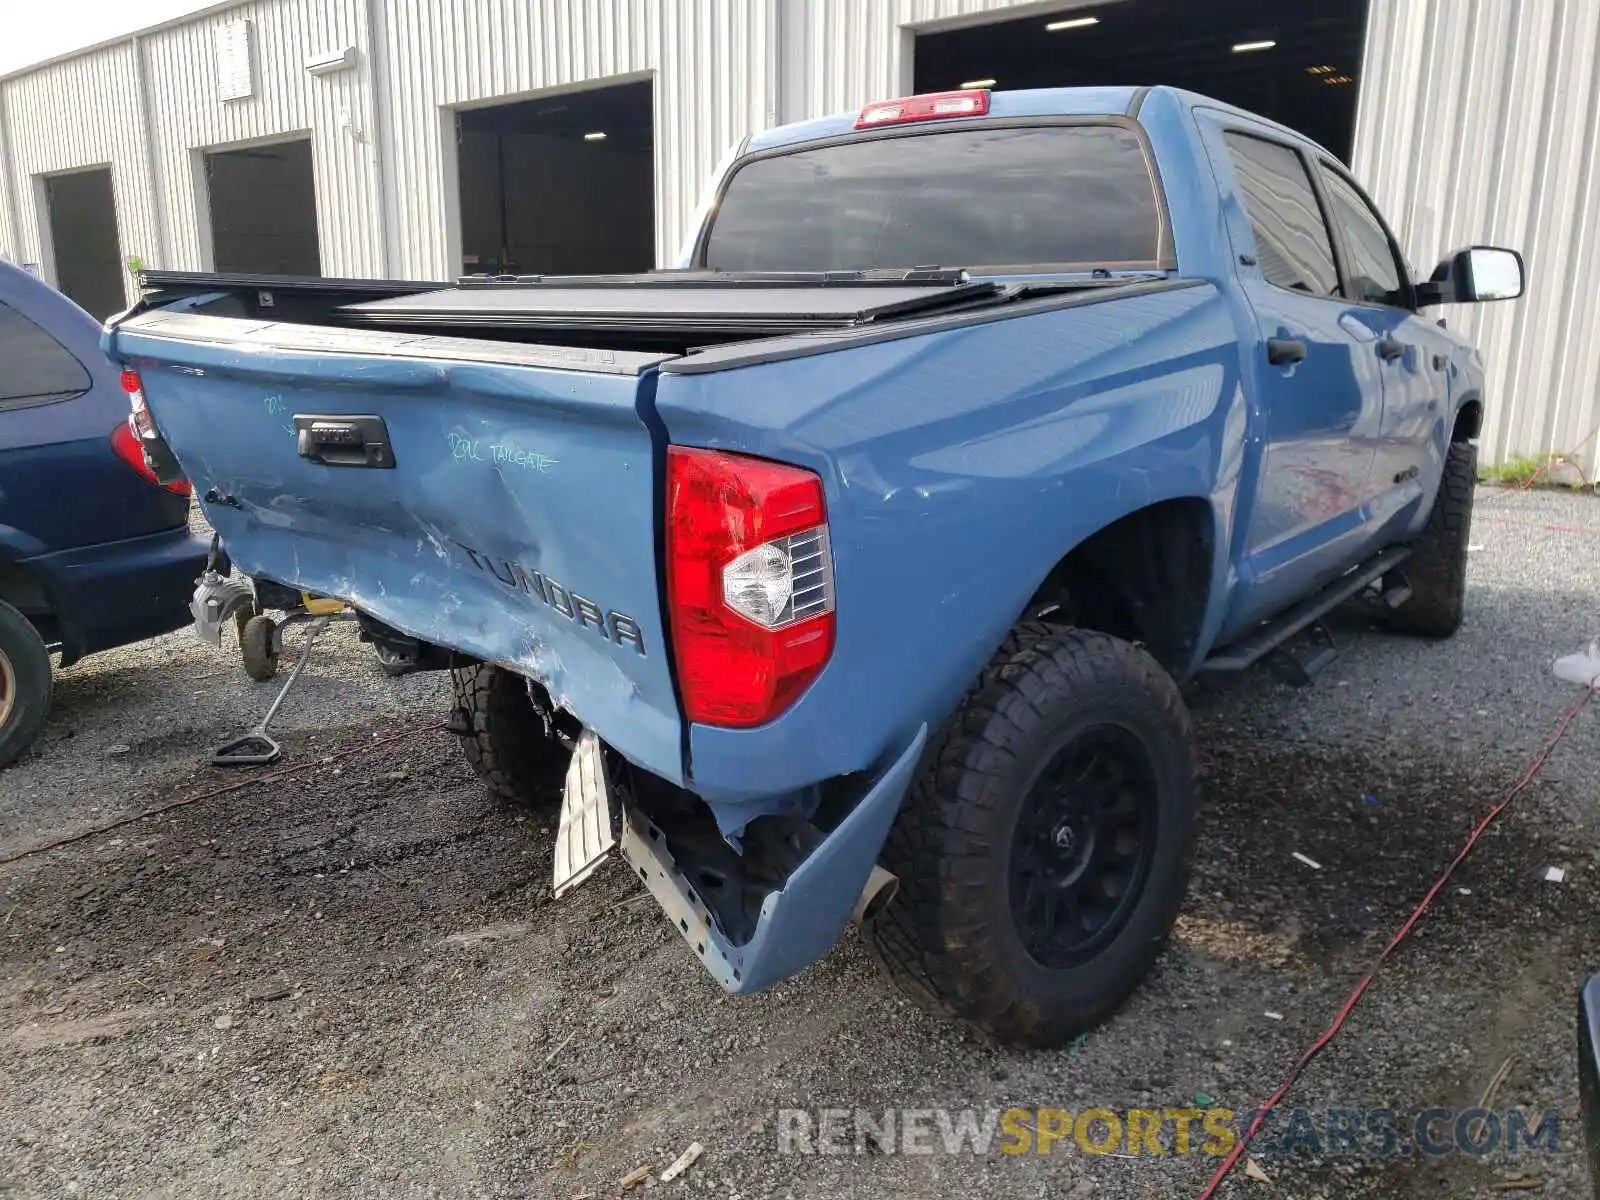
{"x":276,"y":407}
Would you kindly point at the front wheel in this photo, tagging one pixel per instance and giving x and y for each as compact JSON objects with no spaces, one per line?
{"x":25,"y":683}
{"x":1437,"y":568}
{"x":1044,"y":853}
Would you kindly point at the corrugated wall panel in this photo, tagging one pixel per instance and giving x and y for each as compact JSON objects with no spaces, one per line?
{"x":10,"y":236}
{"x":188,"y":116}
{"x":711,"y":62}
{"x":458,"y":53}
{"x":101,"y":94}
{"x":1476,"y":125}
{"x":841,"y":54}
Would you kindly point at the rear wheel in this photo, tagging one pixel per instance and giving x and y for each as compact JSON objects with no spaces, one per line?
{"x":1437,"y":568}
{"x":1043,"y":856}
{"x":25,"y":683}
{"x":506,"y":739}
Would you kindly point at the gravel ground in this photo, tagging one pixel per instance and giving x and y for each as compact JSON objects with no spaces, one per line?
{"x":352,"y":979}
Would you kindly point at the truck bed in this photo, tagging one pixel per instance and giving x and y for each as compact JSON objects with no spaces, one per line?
{"x":671,"y":312}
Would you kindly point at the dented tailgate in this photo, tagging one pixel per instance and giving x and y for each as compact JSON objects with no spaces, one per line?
{"x":491,"y":497}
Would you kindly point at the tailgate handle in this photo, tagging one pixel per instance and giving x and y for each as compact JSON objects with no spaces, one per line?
{"x":344,"y":441}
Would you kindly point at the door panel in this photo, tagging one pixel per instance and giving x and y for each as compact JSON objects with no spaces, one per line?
{"x":1320,"y":418}
{"x":1321,"y":423}
{"x":1411,"y":354}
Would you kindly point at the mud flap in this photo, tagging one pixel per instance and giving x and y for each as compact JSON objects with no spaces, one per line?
{"x":587,"y":830}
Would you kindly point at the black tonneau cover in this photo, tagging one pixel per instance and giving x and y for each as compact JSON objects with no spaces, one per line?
{"x":702,"y":303}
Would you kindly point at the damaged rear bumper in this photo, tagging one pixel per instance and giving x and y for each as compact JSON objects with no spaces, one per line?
{"x":799,"y":922}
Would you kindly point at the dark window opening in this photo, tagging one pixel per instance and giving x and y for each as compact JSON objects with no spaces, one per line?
{"x":264,"y":210}
{"x":83,"y":240}
{"x":560,"y":185}
{"x":1030,"y":196}
{"x":1293,"y":248}
{"x":37,"y":368}
{"x":1306,"y":78}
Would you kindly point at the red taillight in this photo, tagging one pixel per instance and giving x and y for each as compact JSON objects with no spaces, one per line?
{"x":125,"y":438}
{"x":143,"y":423}
{"x":935,"y":106}
{"x":749,"y":584}
{"x":125,"y":444}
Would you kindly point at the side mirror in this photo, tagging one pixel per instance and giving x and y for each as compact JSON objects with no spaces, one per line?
{"x":1473,"y":275}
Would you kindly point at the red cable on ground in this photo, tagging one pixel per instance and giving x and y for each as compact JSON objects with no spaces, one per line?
{"x":1332,"y":1030}
{"x":320,"y":760}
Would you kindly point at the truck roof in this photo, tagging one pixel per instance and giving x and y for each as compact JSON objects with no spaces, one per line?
{"x":1031,"y":102}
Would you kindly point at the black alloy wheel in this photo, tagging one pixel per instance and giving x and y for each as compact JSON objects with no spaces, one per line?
{"x":1082,"y":848}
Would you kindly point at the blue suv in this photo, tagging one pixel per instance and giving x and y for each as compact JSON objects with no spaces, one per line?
{"x":95,"y":552}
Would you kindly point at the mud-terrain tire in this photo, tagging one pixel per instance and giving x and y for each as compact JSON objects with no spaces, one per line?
{"x":25,"y":683}
{"x":505,"y":739}
{"x":255,"y":648}
{"x":1437,"y":568}
{"x":978,"y":928}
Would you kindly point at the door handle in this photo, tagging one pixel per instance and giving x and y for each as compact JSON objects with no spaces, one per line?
{"x":344,"y":441}
{"x":1281,"y":352}
{"x":1390,"y":349}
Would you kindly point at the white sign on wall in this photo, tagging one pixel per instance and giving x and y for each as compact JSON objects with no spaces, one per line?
{"x":235,"y":64}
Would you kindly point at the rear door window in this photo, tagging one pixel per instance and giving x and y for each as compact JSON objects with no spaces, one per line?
{"x":1051,"y":195}
{"x":1293,"y":247}
{"x":34,"y":367}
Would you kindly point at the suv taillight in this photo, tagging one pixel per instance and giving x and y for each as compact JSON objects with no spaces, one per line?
{"x":749,"y":584}
{"x":127,"y":439}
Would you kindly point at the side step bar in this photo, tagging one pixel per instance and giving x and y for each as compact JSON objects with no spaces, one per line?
{"x":1247,"y":650}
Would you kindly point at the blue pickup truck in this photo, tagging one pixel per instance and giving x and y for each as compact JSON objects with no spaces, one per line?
{"x":850,"y":569}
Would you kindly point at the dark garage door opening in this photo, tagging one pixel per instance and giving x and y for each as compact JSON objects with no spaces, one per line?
{"x":1297,"y":63}
{"x":264,"y":210}
{"x":560,"y":185}
{"x":83,"y":238}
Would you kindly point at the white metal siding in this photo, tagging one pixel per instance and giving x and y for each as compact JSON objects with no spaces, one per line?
{"x":1476,"y":124}
{"x":83,"y":112}
{"x":188,"y":116}
{"x":710,"y":61}
{"x":841,"y":54}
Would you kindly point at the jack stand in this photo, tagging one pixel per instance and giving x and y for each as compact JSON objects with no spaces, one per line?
{"x":257,"y":748}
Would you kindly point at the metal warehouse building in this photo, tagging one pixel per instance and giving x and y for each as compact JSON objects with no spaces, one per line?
{"x":427,"y":138}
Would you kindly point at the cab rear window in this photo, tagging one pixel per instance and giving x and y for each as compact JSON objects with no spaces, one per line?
{"x":1052,"y":195}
